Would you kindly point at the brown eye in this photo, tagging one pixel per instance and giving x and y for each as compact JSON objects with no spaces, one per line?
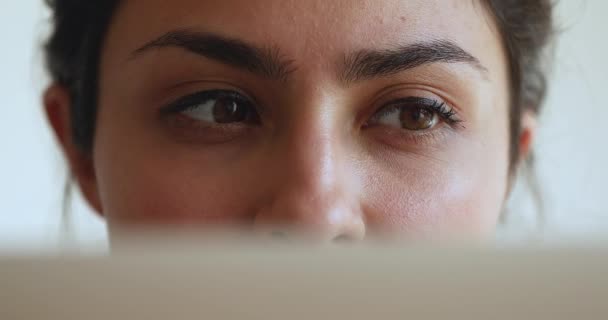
{"x":219,"y":107}
{"x":408,"y":117}
{"x":226,"y":110}
{"x":416,"y":118}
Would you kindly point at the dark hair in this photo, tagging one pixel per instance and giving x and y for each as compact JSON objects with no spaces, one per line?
{"x":74,"y":48}
{"x":72,"y":56}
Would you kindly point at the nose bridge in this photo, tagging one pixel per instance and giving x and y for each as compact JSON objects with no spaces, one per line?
{"x":310,"y":145}
{"x":312,"y":193}
{"x":311,"y":149}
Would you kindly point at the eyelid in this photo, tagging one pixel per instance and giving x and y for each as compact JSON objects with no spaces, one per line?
{"x":190,"y":100}
{"x":401,"y":90}
{"x":413,"y":100}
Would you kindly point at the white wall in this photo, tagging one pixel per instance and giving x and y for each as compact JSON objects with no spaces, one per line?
{"x":31,"y":171}
{"x":572,"y":147}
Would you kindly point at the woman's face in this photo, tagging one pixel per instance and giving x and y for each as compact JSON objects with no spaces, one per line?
{"x":330,"y":120}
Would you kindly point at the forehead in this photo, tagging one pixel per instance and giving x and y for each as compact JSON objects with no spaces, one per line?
{"x":313,"y":29}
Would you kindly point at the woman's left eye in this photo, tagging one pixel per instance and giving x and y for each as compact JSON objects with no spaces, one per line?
{"x":408,"y":118}
{"x":413,"y":114}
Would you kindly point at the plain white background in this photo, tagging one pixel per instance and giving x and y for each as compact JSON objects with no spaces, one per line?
{"x":572,"y":149}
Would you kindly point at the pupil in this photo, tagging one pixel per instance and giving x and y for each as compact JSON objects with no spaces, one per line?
{"x":227,"y":111}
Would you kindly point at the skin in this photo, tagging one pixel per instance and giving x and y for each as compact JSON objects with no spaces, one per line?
{"x":313,"y":167}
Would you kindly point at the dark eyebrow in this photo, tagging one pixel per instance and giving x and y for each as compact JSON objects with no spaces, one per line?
{"x":366,"y":64}
{"x":266,"y":62}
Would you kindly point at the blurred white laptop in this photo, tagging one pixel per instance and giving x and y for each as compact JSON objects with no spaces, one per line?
{"x":298,"y":283}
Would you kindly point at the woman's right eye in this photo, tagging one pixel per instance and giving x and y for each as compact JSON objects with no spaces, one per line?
{"x":216,"y":107}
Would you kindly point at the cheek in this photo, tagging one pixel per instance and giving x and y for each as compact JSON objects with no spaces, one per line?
{"x":430,"y":198}
{"x":161,"y":186}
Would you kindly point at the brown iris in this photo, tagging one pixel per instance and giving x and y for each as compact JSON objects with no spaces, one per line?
{"x":227,"y":110}
{"x":416,"y":118}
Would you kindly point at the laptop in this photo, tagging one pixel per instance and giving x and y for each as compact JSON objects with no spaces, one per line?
{"x":354,"y":283}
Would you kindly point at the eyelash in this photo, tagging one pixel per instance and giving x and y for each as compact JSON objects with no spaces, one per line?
{"x":445,"y":112}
